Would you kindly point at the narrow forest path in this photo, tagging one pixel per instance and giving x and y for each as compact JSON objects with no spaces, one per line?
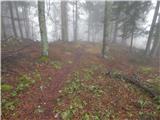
{"x":45,"y":97}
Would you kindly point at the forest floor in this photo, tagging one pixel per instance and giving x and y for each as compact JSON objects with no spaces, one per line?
{"x":72,"y":84}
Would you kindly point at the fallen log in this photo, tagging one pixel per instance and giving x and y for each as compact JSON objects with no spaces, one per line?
{"x":134,"y":79}
{"x":8,"y":54}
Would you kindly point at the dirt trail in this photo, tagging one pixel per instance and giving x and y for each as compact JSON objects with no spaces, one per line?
{"x":46,"y":97}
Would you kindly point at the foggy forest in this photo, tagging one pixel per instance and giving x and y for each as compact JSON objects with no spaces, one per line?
{"x":80,"y":60}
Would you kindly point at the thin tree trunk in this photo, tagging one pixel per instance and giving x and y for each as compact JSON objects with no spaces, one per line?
{"x":73,"y":22}
{"x":26,"y":25}
{"x":131,"y":45}
{"x":18,"y":19}
{"x":115,"y":32}
{"x":111,"y":32}
{"x":24,"y":22}
{"x":89,"y":26}
{"x":105,"y":28}
{"x":147,"y":50}
{"x":27,"y":21}
{"x":42,"y":24}
{"x":156,"y":41}
{"x":3,"y":28}
{"x":12,"y":18}
{"x":64,"y":20}
{"x":76,"y":23}
{"x":124,"y":39}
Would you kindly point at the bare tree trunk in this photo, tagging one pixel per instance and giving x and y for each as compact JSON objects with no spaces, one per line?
{"x":73,"y":22}
{"x":89,"y":25}
{"x":115,"y":32}
{"x":3,"y":29}
{"x":12,"y":18}
{"x":18,"y":19}
{"x":105,"y":28}
{"x":147,"y":50}
{"x":131,"y":45}
{"x":42,"y":24}
{"x":64,"y":20}
{"x":111,"y":32}
{"x":124,"y":39}
{"x":27,"y":21}
{"x":76,"y":23}
{"x":26,"y":24}
{"x":156,"y":41}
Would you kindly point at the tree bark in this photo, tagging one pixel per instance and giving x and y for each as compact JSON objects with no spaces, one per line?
{"x":115,"y":32}
{"x":76,"y":23}
{"x":156,"y":41}
{"x":19,"y":24}
{"x":26,"y":21}
{"x":3,"y":28}
{"x":105,"y":28}
{"x":42,"y":24}
{"x":132,"y":36}
{"x":147,"y":50}
{"x":89,"y":25}
{"x":124,"y":37}
{"x":12,"y":18}
{"x":64,"y":21}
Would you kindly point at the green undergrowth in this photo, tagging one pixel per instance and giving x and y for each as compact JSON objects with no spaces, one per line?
{"x":145,"y":70}
{"x":72,"y":90}
{"x":75,"y":105}
{"x":56,"y":64}
{"x":155,"y":83}
{"x":9,"y":105}
{"x":10,"y":102}
{"x":43,"y":59}
{"x":6,"y":87}
{"x":83,"y":81}
{"x":24,"y":82}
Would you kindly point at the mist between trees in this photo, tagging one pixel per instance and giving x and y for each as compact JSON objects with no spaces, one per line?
{"x":118,"y":22}
{"x":80,"y":60}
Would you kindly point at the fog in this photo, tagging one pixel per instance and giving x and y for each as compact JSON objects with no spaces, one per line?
{"x":53,"y":22}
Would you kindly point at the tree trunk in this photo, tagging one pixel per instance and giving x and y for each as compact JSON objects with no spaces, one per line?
{"x":105,"y":28}
{"x":124,"y":37}
{"x":89,"y":25}
{"x":3,"y":28}
{"x":19,"y":24}
{"x":147,"y":50}
{"x":111,"y":31}
{"x":76,"y":24}
{"x":26,"y":25}
{"x":12,"y":18}
{"x":115,"y":32}
{"x":42,"y":24}
{"x":116,"y":28}
{"x":156,"y":41}
{"x":131,"y":45}
{"x":73,"y":22}
{"x":64,"y":21}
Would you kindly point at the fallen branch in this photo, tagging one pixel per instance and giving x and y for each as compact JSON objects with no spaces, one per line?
{"x":8,"y":54}
{"x":134,"y":79}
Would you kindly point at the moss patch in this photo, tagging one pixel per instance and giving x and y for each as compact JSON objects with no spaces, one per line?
{"x":6,"y":87}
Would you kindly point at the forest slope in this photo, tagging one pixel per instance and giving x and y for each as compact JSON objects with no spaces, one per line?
{"x":72,"y":84}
